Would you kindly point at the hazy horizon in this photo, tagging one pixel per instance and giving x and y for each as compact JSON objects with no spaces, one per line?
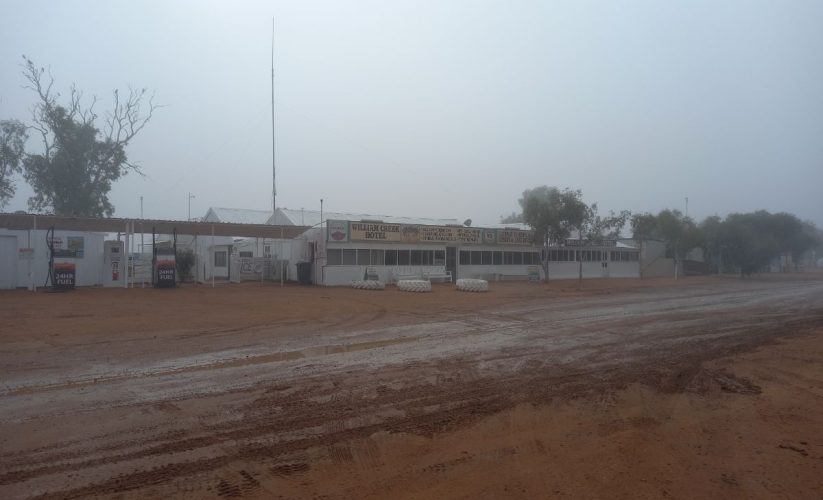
{"x":446,"y":110}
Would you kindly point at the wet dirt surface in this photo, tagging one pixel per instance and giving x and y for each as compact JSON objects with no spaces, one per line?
{"x":526,"y":391}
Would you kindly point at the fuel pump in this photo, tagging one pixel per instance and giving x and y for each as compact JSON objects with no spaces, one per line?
{"x":164,"y":263}
{"x":62,"y":272}
{"x":114,"y":263}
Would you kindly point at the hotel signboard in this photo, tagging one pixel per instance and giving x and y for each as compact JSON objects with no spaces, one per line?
{"x":380,"y":232}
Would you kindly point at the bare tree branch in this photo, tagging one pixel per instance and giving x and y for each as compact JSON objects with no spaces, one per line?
{"x":81,"y":160}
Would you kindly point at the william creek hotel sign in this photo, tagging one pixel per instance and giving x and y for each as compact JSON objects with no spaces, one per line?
{"x":379,"y":232}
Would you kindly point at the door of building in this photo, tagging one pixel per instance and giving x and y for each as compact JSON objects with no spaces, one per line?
{"x":451,"y":261}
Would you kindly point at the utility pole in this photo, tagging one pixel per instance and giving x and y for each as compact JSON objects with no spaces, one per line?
{"x":141,"y":225}
{"x":190,"y":197}
{"x":273,"y":168}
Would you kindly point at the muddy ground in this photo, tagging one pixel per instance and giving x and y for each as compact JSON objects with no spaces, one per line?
{"x":700,"y":388}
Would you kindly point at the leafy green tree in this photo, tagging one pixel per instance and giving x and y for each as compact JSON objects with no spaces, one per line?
{"x":644,"y":228}
{"x":712,"y":229}
{"x":598,"y":228}
{"x":79,"y":160}
{"x":13,"y":137}
{"x":512,"y":218}
{"x":680,"y":233}
{"x":749,"y":241}
{"x":553,"y":214}
{"x":184,"y":260}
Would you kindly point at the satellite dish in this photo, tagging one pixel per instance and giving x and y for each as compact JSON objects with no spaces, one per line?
{"x":467,"y":222}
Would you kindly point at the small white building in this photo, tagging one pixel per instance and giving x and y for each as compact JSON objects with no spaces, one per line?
{"x":24,"y":256}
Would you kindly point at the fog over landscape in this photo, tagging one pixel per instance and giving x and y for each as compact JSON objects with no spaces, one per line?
{"x":445,"y":109}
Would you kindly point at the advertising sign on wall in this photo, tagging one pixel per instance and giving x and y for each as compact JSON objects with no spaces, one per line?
{"x":448,"y":234}
{"x":489,"y":236}
{"x":514,"y":237}
{"x":76,"y":245}
{"x":337,"y":230}
{"x":344,"y":231}
{"x":590,"y":243}
{"x":374,"y":231}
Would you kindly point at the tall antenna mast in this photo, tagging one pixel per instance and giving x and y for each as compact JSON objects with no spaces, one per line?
{"x":273,"y":167}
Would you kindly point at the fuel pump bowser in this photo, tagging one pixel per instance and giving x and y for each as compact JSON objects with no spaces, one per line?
{"x":114,"y":263}
{"x":163,"y":264}
{"x":62,"y":271}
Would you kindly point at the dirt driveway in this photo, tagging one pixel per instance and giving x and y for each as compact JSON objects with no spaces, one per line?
{"x":708,"y":387}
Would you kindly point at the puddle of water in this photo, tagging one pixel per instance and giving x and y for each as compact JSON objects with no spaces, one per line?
{"x":323,"y":350}
{"x":309,"y":352}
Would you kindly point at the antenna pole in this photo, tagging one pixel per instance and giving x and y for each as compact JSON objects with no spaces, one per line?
{"x":273,"y":167}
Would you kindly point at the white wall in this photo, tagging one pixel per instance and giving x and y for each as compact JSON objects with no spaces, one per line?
{"x":8,"y":261}
{"x":89,"y":268}
{"x":344,"y":275}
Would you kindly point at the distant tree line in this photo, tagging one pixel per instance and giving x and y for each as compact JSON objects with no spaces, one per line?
{"x":80,"y":154}
{"x":742,"y":243}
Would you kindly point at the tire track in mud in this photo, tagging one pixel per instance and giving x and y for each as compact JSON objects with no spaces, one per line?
{"x":275,"y":427}
{"x":425,"y":412}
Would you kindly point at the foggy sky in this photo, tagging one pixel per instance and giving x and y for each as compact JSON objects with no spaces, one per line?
{"x":447,"y":109}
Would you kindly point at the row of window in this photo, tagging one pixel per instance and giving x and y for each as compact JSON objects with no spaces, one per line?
{"x":366,"y":257}
{"x":498,"y":258}
{"x":624,"y":256}
{"x":371,"y":257}
{"x":592,"y":255}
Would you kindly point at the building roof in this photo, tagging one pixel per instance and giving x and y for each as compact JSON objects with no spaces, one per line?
{"x":510,"y":225}
{"x":238,"y":216}
{"x":288,"y":216}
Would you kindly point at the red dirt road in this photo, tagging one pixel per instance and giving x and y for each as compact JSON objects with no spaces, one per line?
{"x":709,"y":388}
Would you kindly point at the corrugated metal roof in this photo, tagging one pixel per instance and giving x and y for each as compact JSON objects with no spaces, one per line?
{"x":511,"y":225}
{"x":238,"y":215}
{"x":288,"y":216}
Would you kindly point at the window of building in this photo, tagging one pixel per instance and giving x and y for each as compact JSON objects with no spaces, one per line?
{"x":477,"y":258}
{"x":267,"y":250}
{"x":498,"y":258}
{"x":220,"y":258}
{"x":631,"y":256}
{"x":508,"y":258}
{"x":487,"y":257}
{"x":517,"y":258}
{"x":427,"y":257}
{"x":363,"y":257}
{"x":416,"y":257}
{"x":403,"y":258}
{"x":465,"y":258}
{"x":334,"y":257}
{"x":391,"y":257}
{"x":377,"y":257}
{"x":349,"y":257}
{"x":439,"y":257}
{"x":246,"y":255}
